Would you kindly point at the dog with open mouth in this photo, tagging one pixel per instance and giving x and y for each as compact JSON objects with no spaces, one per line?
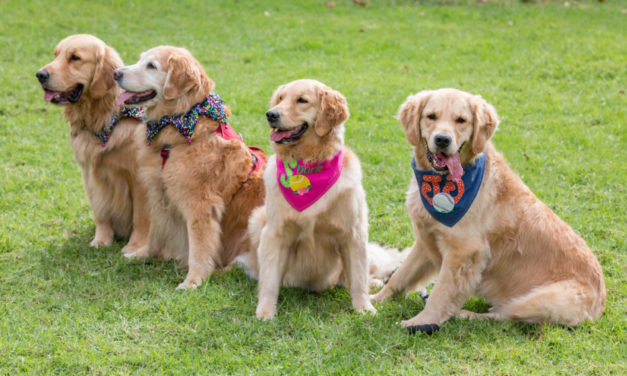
{"x":481,"y":230}
{"x":81,"y":79}
{"x":312,"y":232}
{"x":203,"y":181}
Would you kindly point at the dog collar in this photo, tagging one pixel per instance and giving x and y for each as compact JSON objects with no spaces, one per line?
{"x":125,"y":112}
{"x":212,"y":107}
{"x":446,"y":200}
{"x":303,"y":183}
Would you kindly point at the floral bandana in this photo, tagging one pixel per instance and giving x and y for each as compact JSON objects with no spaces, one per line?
{"x":125,"y":112}
{"x":446,"y":200}
{"x":303,"y":183}
{"x":212,"y":107}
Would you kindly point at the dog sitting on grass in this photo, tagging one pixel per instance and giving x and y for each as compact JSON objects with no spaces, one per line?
{"x":203,"y":182}
{"x":481,"y":230}
{"x":102,"y":136}
{"x":312,"y":232}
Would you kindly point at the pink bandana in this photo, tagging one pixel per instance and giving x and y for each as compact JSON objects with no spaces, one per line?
{"x":303,"y":183}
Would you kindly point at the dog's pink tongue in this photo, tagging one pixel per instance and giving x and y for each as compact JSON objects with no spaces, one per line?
{"x":454,"y":166}
{"x":124,"y":96}
{"x":48,"y":95}
{"x":277,"y":136}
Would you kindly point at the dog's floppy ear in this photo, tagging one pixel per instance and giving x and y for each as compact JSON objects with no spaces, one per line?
{"x":410,"y":113}
{"x":485,"y":122}
{"x":183,"y":74}
{"x":107,"y":60}
{"x":332,"y":111}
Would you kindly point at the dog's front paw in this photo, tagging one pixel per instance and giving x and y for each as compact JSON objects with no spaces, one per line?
{"x":426,"y":328}
{"x":133,"y":251}
{"x":101,"y":242}
{"x":381,"y":295}
{"x":137,"y":253}
{"x":189,"y":284}
{"x":366,"y":308}
{"x":265,"y":312}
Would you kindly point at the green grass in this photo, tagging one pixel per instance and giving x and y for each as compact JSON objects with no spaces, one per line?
{"x":556,"y":74}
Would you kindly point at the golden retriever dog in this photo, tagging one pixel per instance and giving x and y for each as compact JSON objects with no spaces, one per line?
{"x":81,"y":78}
{"x":203,"y":182}
{"x":313,"y":231}
{"x":506,"y":245}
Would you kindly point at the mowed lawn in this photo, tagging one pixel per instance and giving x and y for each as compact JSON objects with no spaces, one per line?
{"x":556,"y":74}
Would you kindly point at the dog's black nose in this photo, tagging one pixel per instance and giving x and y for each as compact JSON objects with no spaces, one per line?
{"x":442,"y":141}
{"x":272,"y":116}
{"x":43,"y":76}
{"x":117,"y":75}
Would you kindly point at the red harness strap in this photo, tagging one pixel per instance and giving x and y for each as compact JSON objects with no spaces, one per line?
{"x":258,"y":155}
{"x":165,"y":153}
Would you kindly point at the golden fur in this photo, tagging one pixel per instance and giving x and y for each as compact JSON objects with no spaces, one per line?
{"x":117,"y":198}
{"x":509,"y":248}
{"x":201,"y":199}
{"x":326,"y":244}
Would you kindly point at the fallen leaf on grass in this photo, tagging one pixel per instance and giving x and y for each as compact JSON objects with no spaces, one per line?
{"x":330,"y":4}
{"x":406,"y":68}
{"x":360,"y":3}
{"x":526,"y":156}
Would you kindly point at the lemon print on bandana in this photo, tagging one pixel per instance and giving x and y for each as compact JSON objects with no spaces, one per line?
{"x":300,"y":184}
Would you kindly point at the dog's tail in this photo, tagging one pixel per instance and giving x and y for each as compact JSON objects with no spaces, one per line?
{"x":382,"y":262}
{"x":247,"y":261}
{"x":243,"y":261}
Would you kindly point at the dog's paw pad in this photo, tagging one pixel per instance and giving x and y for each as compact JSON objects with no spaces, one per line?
{"x":427,"y":328}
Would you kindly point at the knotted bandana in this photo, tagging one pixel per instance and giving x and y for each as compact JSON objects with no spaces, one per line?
{"x":446,"y":200}
{"x":125,"y":112}
{"x":303,"y":183}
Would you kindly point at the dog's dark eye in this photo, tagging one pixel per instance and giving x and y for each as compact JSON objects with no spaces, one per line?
{"x":301,"y":100}
{"x":431,"y":116}
{"x":150,"y":66}
{"x":74,"y":57}
{"x":460,"y":120}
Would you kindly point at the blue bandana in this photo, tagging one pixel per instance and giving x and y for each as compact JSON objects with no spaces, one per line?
{"x":446,"y":200}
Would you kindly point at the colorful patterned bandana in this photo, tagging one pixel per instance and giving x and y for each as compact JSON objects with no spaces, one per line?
{"x":125,"y":112}
{"x":446,"y":200}
{"x":303,"y":183}
{"x":212,"y":107}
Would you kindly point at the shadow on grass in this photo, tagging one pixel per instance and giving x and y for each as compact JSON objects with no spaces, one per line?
{"x":74,"y":262}
{"x":102,"y":281}
{"x":76,"y":270}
